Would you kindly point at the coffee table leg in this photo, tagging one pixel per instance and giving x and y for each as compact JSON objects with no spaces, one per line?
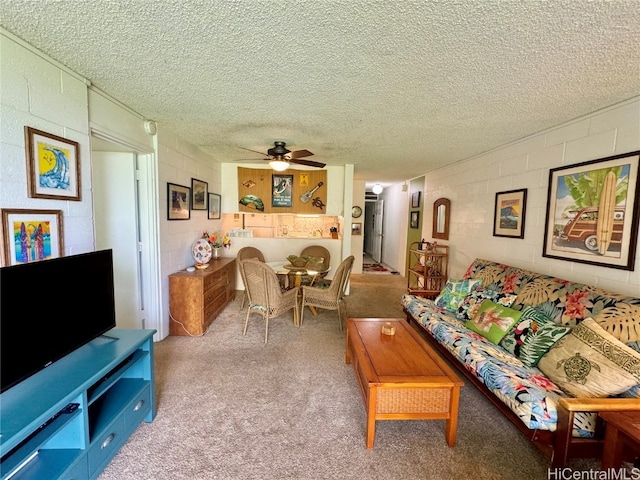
{"x":371,"y":417}
{"x":451,"y":425}
{"x":371,"y":430}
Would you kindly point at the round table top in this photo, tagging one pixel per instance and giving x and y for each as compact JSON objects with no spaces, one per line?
{"x":285,"y":268}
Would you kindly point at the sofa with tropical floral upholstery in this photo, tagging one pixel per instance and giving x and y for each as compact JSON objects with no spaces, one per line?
{"x":549,"y":353}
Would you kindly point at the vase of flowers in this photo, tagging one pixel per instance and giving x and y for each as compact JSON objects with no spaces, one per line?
{"x":217,"y":242}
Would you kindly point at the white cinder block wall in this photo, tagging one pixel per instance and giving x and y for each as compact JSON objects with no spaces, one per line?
{"x":37,"y":92}
{"x":179,"y":162}
{"x":471,"y":186}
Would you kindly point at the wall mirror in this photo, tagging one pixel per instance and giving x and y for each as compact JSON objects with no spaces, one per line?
{"x":441,"y":214}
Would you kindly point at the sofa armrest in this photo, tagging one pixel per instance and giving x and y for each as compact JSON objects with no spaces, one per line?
{"x":565,"y":446}
{"x":599,"y":404}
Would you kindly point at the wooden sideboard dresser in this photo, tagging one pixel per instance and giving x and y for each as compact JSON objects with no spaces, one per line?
{"x":196,"y":298}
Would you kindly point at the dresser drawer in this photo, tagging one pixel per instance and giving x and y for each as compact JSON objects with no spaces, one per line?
{"x":213,"y":295}
{"x":214,"y":279}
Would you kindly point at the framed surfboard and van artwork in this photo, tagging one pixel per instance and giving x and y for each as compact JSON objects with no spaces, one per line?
{"x":593,"y":210}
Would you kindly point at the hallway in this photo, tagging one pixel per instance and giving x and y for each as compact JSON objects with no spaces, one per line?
{"x":370,"y":266}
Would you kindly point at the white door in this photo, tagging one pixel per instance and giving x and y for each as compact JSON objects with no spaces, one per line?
{"x":377,"y":231}
{"x":116,"y":227}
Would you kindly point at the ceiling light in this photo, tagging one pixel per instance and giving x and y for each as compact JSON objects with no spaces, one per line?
{"x":279,"y":165}
{"x":377,"y":189}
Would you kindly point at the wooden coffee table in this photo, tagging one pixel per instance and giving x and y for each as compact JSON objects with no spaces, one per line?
{"x":400,"y":376}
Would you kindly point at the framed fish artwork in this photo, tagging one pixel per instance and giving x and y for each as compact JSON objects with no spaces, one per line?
{"x":53,"y":166}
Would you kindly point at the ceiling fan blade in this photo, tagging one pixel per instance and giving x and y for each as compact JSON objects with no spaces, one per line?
{"x":252,"y":160}
{"x":309,"y":163}
{"x":254,"y":151}
{"x":300,"y":154}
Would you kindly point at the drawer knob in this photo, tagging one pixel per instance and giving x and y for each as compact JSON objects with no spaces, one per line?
{"x":108,"y":440}
{"x":138,"y":405}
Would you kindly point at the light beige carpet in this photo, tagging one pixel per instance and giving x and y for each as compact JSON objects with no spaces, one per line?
{"x":230,"y":407}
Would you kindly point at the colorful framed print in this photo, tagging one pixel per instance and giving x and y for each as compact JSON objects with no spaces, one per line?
{"x":31,"y":235}
{"x":178,"y":202}
{"x":214,"y":206}
{"x":199,"y":192}
{"x":356,"y":228}
{"x":415,"y":219}
{"x":53,"y":166}
{"x":415,"y":200}
{"x":509,"y":213}
{"x":282,"y":190}
{"x":592,"y":212}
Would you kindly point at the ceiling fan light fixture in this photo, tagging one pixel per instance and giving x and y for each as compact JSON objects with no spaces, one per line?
{"x":279,"y":165}
{"x":377,"y":189}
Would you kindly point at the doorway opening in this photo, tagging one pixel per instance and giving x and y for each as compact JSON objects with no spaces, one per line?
{"x":125,"y":220}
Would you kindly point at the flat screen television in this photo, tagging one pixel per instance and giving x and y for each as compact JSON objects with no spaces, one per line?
{"x":50,"y":308}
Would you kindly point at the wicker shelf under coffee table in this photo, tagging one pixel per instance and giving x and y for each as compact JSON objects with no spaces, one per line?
{"x":400,"y":376}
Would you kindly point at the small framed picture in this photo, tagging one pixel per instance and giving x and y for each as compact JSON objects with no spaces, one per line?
{"x":509,"y":213}
{"x":53,"y":166}
{"x":178,"y":202}
{"x":31,"y":235}
{"x":356,"y":228}
{"x":415,"y":200}
{"x":282,"y":190}
{"x":199,"y":192}
{"x":214,"y":206}
{"x":415,"y":219}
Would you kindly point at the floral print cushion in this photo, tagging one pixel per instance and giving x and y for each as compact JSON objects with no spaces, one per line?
{"x":471,"y":303}
{"x":500,"y":277}
{"x":454,"y":292}
{"x":566,"y":303}
{"x":532,"y":336}
{"x":525,"y":390}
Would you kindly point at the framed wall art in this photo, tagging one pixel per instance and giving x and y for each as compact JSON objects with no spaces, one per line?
{"x":592,"y":212}
{"x":415,"y":219}
{"x":31,"y":235}
{"x":178,"y":202}
{"x":199,"y":193}
{"x":282,"y":190}
{"x":415,"y":200}
{"x":356,"y":228}
{"x":53,"y":166}
{"x":509,"y":213}
{"x":214,"y":206}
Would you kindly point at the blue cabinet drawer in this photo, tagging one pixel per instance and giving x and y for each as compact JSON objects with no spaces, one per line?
{"x":78,"y":471}
{"x":106,"y":445}
{"x":137,"y":409}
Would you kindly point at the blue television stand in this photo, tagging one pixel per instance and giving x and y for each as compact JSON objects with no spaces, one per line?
{"x":70,"y":419}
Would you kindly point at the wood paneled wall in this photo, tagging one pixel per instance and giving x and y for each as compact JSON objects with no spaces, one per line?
{"x":257,"y":188}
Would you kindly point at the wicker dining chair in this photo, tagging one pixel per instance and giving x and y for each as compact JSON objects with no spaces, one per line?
{"x":329,"y":298}
{"x":264,"y":294}
{"x":317,"y":251}
{"x":246,"y":253}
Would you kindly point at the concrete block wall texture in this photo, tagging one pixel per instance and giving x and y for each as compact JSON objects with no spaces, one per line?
{"x":38,"y":93}
{"x":471,"y":186}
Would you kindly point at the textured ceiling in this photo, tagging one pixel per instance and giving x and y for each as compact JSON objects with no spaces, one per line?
{"x":397,"y":88}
